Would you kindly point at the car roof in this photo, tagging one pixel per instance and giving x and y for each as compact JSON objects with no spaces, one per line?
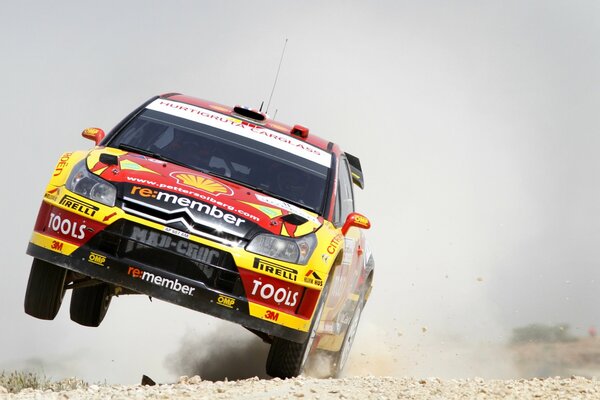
{"x":267,"y":122}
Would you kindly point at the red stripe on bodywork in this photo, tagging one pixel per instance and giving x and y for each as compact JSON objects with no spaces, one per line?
{"x":65,"y":225}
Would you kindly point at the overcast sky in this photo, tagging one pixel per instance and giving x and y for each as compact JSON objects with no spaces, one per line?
{"x":476,"y":123}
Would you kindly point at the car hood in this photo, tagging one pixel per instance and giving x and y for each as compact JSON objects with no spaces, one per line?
{"x":191,"y":201}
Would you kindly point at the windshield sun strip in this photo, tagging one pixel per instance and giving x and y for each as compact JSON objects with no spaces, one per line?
{"x":270,"y":155}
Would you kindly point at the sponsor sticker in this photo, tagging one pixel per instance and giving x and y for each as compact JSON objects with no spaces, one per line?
{"x":225,"y":301}
{"x":361,"y":221}
{"x":279,"y":295}
{"x":133,"y":166}
{"x":288,"y":207}
{"x":202,"y":183}
{"x":66,"y":227}
{"x":275,"y":269}
{"x":271,"y":315}
{"x":205,"y":197}
{"x":335,"y":243}
{"x":140,"y":238}
{"x":250,"y":131}
{"x":313,"y":278}
{"x":96,"y":258}
{"x":187,"y":203}
{"x":51,"y":194}
{"x":78,"y":205}
{"x":174,"y":285}
{"x":349,"y":246}
{"x":56,"y":245}
{"x":272,"y":292}
{"x":62,"y":164}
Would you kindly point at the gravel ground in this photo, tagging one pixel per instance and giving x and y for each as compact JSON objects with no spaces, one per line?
{"x":348,"y":388}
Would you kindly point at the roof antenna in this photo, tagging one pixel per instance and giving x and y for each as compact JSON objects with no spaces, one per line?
{"x":276,"y":76}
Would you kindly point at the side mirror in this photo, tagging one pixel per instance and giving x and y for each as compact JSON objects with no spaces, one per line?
{"x":357,"y":220}
{"x":95,"y":134}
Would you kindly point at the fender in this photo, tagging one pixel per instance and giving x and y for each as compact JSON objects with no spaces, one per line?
{"x":330,"y":245}
{"x":64,"y":166}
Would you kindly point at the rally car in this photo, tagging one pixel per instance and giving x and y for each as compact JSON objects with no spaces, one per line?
{"x":218,"y":209}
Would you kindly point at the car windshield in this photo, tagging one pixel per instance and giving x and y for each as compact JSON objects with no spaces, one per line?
{"x":267,"y":168}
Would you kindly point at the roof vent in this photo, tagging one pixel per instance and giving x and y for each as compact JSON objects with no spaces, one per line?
{"x":249,"y":113}
{"x":299,"y":130}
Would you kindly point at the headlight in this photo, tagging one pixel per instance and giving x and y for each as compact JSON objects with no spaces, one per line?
{"x":86,"y":184}
{"x":296,"y":251}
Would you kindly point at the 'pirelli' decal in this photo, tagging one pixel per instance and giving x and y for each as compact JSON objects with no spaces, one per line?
{"x":78,"y":205}
{"x":275,"y":269}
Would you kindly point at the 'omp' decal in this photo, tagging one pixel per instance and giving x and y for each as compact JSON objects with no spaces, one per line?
{"x":225,"y":301}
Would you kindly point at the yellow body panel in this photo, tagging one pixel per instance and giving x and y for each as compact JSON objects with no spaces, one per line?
{"x":279,"y":317}
{"x":53,"y":244}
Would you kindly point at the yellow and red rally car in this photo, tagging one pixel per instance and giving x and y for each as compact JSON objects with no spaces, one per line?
{"x":218,"y":209}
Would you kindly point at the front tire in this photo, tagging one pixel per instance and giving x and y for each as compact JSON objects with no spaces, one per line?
{"x":45,"y":289}
{"x":286,"y":358}
{"x":90,"y":304}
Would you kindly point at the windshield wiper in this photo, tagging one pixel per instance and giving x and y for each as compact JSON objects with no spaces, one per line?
{"x":139,"y":150}
{"x":238,"y":181}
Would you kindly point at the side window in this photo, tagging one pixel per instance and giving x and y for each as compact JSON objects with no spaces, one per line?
{"x":345,"y":198}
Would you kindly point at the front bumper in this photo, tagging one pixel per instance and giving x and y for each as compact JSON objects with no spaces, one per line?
{"x":162,"y":284}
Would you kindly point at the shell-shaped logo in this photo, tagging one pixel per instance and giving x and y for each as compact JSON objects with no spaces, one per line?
{"x":202,"y":183}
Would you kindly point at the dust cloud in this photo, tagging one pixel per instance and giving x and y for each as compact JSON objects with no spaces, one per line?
{"x":228,"y":352}
{"x":382,"y":352}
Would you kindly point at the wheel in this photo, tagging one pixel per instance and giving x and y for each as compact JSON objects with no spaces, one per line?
{"x":286,"y":358}
{"x":89,"y":304}
{"x":45,"y":289}
{"x":339,"y":358}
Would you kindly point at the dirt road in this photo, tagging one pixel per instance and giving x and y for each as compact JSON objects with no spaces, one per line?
{"x":348,"y":388}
